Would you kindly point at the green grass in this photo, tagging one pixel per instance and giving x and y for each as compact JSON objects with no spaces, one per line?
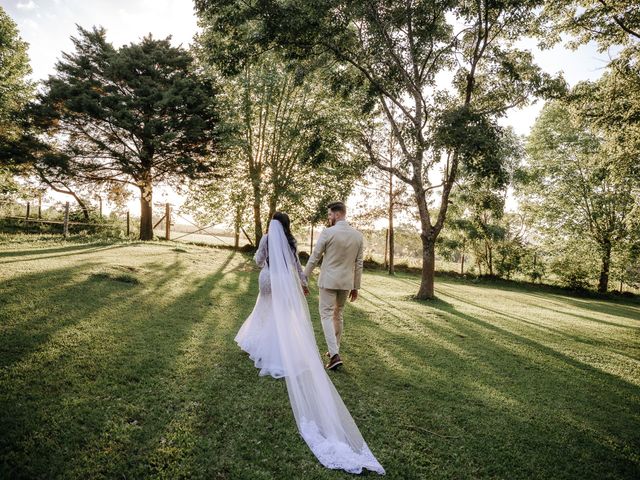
{"x":117,"y":360}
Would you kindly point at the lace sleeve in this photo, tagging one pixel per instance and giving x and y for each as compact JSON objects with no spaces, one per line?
{"x":262,"y":253}
{"x":303,"y":277}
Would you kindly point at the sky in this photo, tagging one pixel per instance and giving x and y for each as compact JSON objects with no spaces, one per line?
{"x":47,"y":26}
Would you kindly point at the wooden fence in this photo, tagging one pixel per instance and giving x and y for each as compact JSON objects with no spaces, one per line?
{"x":65,"y":222}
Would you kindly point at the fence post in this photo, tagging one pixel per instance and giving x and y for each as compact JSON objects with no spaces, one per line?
{"x":66,"y":220}
{"x":127,"y":223}
{"x":167,"y":222}
{"x":39,"y":206}
{"x":28,"y":210}
{"x":100,"y":198}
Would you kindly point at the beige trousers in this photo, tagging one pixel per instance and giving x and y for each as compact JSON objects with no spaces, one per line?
{"x":331,"y":308}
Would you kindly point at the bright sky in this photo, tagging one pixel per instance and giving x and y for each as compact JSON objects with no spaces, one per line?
{"x":47,"y":25}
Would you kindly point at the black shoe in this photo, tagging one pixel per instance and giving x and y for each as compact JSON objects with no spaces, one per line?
{"x":334,"y":363}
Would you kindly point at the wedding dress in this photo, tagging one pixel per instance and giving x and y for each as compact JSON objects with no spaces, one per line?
{"x":257,"y":336}
{"x":279,"y":339}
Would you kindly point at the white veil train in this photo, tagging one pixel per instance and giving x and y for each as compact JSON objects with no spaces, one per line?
{"x":322,"y":418}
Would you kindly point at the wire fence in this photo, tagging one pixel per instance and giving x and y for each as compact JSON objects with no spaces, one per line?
{"x":183,"y":229}
{"x":70,"y":218}
{"x":62,"y":218}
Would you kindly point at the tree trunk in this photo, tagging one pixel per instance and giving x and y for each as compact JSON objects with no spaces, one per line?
{"x":257,"y":218}
{"x":603,"y":283}
{"x":386,"y":248}
{"x":391,"y":243}
{"x":490,"y":260}
{"x":462,"y":261}
{"x":146,"y":211}
{"x":236,"y":227}
{"x":83,"y":207}
{"x":391,"y":236}
{"x":426,"y":291}
{"x":272,"y":208}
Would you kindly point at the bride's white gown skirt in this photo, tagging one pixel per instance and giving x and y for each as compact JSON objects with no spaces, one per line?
{"x":257,"y":337}
{"x":279,"y":338}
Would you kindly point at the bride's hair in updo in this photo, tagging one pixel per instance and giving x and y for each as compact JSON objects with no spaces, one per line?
{"x":283,"y":218}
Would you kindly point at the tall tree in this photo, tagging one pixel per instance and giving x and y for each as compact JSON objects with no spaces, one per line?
{"x":136,"y":115}
{"x":292,"y":133}
{"x":15,"y":92}
{"x":398,"y":49}
{"x":578,"y":185}
{"x":223,"y":202}
{"x":15,"y":88}
{"x":607,"y":22}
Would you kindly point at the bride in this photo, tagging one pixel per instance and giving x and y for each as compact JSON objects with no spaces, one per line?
{"x":279,"y":339}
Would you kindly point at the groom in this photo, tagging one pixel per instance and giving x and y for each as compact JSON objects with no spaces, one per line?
{"x":340,"y":274}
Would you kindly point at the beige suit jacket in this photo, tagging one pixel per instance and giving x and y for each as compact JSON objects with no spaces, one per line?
{"x":341,"y":246}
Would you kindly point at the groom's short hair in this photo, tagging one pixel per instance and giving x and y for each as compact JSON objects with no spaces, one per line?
{"x":338,"y":207}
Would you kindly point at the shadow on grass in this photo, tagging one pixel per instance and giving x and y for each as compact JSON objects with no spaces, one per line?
{"x":74,"y":250}
{"x":48,"y":251}
{"x":148,"y":383}
{"x":37,"y":305}
{"x":108,"y":398}
{"x":614,"y":307}
{"x":500,"y":403}
{"x":618,"y":308}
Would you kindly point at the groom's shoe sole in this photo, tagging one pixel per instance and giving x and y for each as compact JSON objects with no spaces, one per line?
{"x":333,"y":365}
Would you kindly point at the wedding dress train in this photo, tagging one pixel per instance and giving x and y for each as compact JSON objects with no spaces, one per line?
{"x":279,"y":339}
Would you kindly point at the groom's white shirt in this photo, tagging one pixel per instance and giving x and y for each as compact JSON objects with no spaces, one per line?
{"x":341,"y":247}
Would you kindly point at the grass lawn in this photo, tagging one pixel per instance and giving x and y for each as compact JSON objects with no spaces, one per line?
{"x":117,"y":360}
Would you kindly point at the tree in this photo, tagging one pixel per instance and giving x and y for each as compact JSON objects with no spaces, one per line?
{"x":15,"y":92}
{"x":136,"y":115}
{"x":382,"y":195}
{"x":397,"y":49}
{"x":607,"y":22}
{"x":228,"y":202}
{"x":577,"y":184}
{"x":292,"y":135}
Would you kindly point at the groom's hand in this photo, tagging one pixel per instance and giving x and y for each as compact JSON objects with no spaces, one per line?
{"x":353,"y":295}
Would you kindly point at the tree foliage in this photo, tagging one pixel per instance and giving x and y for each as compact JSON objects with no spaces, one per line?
{"x":15,"y":88}
{"x":578,"y":185}
{"x":397,"y":50}
{"x":607,"y":22}
{"x":137,"y":115}
{"x":292,"y":136}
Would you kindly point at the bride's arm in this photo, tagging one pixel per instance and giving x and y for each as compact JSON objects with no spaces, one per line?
{"x":303,"y":277}
{"x":262,"y":253}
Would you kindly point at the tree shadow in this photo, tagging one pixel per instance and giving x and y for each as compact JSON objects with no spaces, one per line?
{"x":501,"y":387}
{"x":615,"y":308}
{"x":66,"y":253}
{"x":585,"y":340}
{"x":60,"y":249}
{"x":37,"y":305}
{"x":119,"y":386}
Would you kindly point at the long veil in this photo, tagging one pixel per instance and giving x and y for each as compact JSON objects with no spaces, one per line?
{"x":322,"y":418}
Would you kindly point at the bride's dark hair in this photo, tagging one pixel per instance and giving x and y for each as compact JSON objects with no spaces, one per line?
{"x":283,"y":218}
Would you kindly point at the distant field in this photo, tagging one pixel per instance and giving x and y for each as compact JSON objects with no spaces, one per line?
{"x":117,"y":360}
{"x":219,"y":238}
